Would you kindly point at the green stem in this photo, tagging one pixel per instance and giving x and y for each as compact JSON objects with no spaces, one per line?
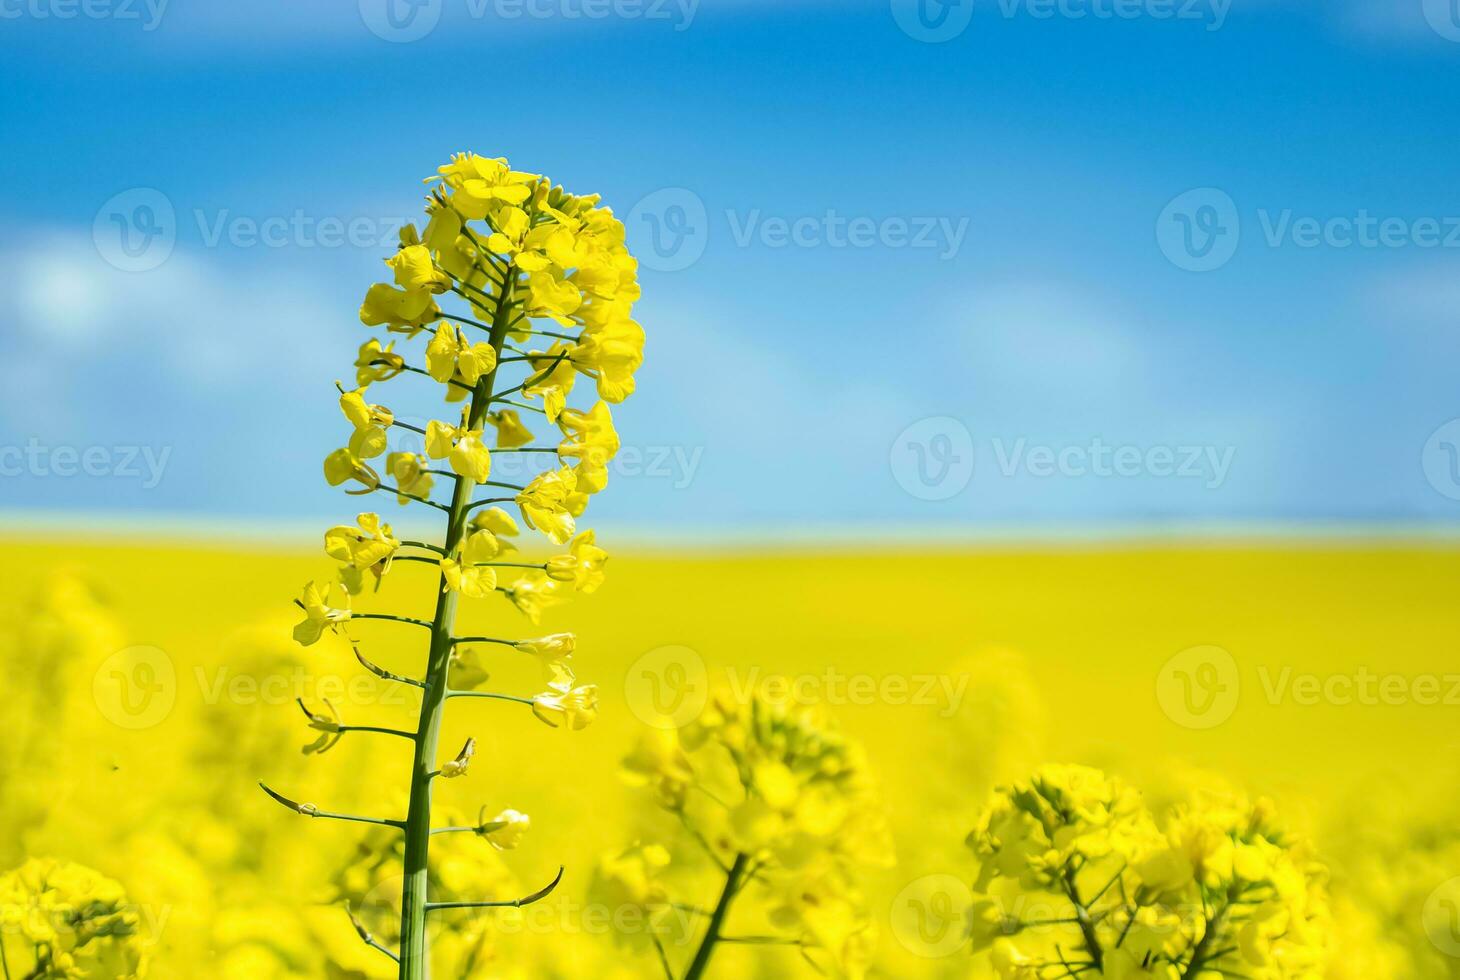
{"x":490,"y":694}
{"x":717,"y":920}
{"x":1082,"y":916}
{"x":415,"y":899}
{"x":1199,"y":957}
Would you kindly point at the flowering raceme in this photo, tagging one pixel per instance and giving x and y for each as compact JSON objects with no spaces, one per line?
{"x":1077,"y":879}
{"x":777,"y":798}
{"x":501,"y":251}
{"x":60,"y":921}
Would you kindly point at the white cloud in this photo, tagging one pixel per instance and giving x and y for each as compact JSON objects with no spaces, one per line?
{"x":189,"y":316}
{"x":1428,"y":296}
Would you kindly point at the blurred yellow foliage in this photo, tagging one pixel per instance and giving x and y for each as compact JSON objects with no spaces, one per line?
{"x":149,"y":686}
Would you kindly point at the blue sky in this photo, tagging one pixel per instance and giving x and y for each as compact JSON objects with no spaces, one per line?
{"x":1077,"y":264}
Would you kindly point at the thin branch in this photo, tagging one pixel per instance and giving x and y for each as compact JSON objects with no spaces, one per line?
{"x":491,"y":695}
{"x":658,"y":945}
{"x":530,"y":382}
{"x":409,"y":496}
{"x":490,"y":500}
{"x":525,"y":408}
{"x":310,"y":810}
{"x":366,"y":937}
{"x":392,"y":619}
{"x":515,"y":903}
{"x":469,"y":322}
{"x":416,"y":370}
{"x":381,"y":672}
{"x":377,"y":731}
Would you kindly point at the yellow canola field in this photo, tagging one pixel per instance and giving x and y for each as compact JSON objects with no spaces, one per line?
{"x":149,"y":687}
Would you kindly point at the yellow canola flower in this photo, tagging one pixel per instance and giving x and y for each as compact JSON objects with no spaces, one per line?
{"x":544,"y":504}
{"x":348,"y":463}
{"x":1074,"y":831}
{"x":565,"y":704}
{"x":552,"y":651}
{"x":363,"y":415}
{"x":632,"y":879}
{"x":552,"y":297}
{"x":409,"y":472}
{"x":496,"y":520}
{"x":512,"y":225}
{"x":414,"y":270}
{"x":61,"y":920}
{"x":462,"y":447}
{"x":450,"y":355}
{"x":591,"y":439}
{"x":590,"y":435}
{"x":659,"y":760}
{"x":468,"y":672}
{"x":377,"y":363}
{"x":401,"y":310}
{"x":582,"y":566}
{"x":824,"y":907}
{"x":469,"y":576}
{"x":511,"y":433}
{"x":506,"y":830}
{"x":370,"y":545}
{"x":533,"y":593}
{"x":324,"y":608}
{"x":611,"y":354}
{"x":458,"y":766}
{"x":478,"y":186}
{"x":552,"y":378}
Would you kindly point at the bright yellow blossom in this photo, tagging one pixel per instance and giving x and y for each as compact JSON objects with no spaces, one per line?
{"x":552,"y":378}
{"x":544,"y":504}
{"x":506,"y":830}
{"x":553,"y":651}
{"x":463,"y":447}
{"x":450,"y":355}
{"x":409,"y":472}
{"x":322,"y":610}
{"x":370,"y":545}
{"x":567,"y":705}
{"x":511,"y":433}
{"x":377,"y":363}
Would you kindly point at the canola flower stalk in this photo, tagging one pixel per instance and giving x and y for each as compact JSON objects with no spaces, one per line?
{"x":1217,"y":889}
{"x":786,"y":812}
{"x":536,"y":253}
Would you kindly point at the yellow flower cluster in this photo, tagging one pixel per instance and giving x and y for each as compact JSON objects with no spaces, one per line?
{"x":512,"y":251}
{"x":1077,"y":878}
{"x":778,"y":798}
{"x":512,"y":248}
{"x":61,"y":921}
